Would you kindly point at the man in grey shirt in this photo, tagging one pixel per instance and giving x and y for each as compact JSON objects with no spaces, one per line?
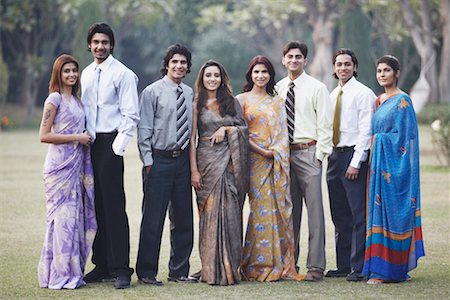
{"x":163,"y":139}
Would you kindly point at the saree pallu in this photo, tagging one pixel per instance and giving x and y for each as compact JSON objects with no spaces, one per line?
{"x":69,"y":189}
{"x":394,"y":231}
{"x":268,"y":252}
{"x":224,"y":170}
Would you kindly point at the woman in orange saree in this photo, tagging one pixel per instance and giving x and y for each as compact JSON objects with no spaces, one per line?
{"x":268,"y":252}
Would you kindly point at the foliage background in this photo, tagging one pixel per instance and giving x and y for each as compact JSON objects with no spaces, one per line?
{"x":34,"y":32}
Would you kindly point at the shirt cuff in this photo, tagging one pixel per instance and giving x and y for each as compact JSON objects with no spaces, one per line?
{"x":357,"y":160}
{"x":120,"y":143}
{"x":320,"y":155}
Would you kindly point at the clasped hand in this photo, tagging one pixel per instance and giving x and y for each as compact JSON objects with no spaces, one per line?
{"x":84,"y":138}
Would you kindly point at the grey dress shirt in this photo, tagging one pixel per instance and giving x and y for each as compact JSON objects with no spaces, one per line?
{"x":157,"y":128}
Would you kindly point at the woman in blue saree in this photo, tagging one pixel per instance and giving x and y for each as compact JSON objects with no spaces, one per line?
{"x":394,"y":233}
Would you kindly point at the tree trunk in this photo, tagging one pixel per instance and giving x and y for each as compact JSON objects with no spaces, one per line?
{"x":422,"y":37}
{"x":444,"y":78}
{"x":321,"y":65}
{"x":322,"y":17}
{"x":30,"y":90}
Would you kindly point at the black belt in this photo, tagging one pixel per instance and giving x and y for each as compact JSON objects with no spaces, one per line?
{"x":100,"y":134}
{"x":168,"y":153}
{"x":343,"y":149}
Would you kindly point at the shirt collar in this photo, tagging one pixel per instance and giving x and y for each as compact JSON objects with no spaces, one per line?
{"x":170,"y":82}
{"x":299,"y":79}
{"x":106,"y":63}
{"x":348,"y":84}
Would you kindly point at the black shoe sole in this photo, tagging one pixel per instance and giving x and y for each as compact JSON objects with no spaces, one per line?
{"x":173,"y":279}
{"x":156,"y":283}
{"x":108,"y":279}
{"x":122,"y":287}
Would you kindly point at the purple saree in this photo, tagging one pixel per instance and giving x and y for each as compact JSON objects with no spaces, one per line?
{"x":69,"y":189}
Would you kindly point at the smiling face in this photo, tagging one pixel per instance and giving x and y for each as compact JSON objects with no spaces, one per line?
{"x":344,"y":68}
{"x":69,"y":75}
{"x":211,"y":78}
{"x":177,"y":68}
{"x":294,"y":61}
{"x":386,"y":76}
{"x":100,"y":47}
{"x":260,"y":75}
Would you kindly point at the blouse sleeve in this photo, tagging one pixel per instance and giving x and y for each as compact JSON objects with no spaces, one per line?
{"x":54,"y":99}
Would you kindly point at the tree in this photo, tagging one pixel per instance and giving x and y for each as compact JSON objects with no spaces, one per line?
{"x":29,"y":41}
{"x":423,"y":27}
{"x":444,"y":73}
{"x":323,"y":17}
{"x":261,"y":26}
{"x":420,"y":26}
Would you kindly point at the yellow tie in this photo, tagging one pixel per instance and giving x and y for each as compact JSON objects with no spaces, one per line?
{"x":337,"y":119}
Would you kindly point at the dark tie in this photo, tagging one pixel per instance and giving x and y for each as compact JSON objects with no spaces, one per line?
{"x":182,"y":120}
{"x":337,"y":119}
{"x":290,"y":111}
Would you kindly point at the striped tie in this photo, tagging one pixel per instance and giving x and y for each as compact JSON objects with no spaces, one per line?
{"x":290,"y":111}
{"x":182,"y":120}
{"x":337,"y":119}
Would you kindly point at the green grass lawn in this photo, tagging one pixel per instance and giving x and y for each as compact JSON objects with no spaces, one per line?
{"x":22,"y":226}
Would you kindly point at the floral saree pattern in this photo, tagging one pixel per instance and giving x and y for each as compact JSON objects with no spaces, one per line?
{"x":268,"y":252}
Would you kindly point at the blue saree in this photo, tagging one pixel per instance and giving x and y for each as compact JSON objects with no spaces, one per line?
{"x":394,"y":232}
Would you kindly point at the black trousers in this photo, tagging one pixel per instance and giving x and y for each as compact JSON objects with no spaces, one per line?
{"x":111,"y":249}
{"x":348,"y":211}
{"x":168,"y":182}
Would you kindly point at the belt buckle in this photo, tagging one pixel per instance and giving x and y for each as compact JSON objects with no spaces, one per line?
{"x":176,"y":153}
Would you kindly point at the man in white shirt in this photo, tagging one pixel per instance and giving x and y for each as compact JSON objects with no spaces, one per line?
{"x":309,"y":129}
{"x":353,"y":105}
{"x":110,"y":100}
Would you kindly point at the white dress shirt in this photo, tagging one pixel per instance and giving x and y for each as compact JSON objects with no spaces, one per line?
{"x":117,"y":105}
{"x":357,"y":107}
{"x":313,"y":112}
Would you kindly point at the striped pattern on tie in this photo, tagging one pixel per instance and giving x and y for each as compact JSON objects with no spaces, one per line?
{"x":182,"y":120}
{"x":290,"y":111}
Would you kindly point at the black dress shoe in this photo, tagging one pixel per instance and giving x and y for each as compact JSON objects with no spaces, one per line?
{"x":337,"y":273}
{"x":183,"y":279}
{"x":355,"y":277}
{"x":196,"y":275}
{"x":151,"y":281}
{"x":98,"y":275}
{"x":122,"y":282}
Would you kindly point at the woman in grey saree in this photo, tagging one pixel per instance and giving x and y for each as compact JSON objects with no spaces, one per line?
{"x":219,"y":174}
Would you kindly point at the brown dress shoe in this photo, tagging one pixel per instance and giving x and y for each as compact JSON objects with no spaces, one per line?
{"x":314,"y":276}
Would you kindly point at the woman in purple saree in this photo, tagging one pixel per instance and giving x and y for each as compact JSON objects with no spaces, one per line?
{"x":68,"y":180}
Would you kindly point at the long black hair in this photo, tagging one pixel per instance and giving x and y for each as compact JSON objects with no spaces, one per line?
{"x":224,"y":95}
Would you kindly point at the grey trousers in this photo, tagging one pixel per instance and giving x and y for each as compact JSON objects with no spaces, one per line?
{"x":306,"y":183}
